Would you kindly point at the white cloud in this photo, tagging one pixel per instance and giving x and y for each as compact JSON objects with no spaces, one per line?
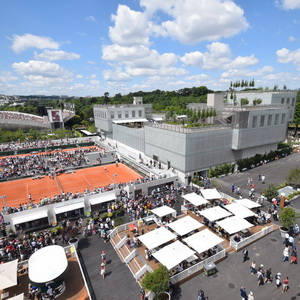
{"x":6,"y":76}
{"x":79,"y":76}
{"x":23,"y":42}
{"x":218,"y":56}
{"x":91,"y":19}
{"x":292,"y":38}
{"x":41,"y":73}
{"x":287,"y":56}
{"x":122,"y":53}
{"x":289,"y":4}
{"x":116,"y":75}
{"x":95,"y":82}
{"x":193,"y":21}
{"x":234,"y":74}
{"x":56,"y":55}
{"x":141,"y":61}
{"x":131,"y":27}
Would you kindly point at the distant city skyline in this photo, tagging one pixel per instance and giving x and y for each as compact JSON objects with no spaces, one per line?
{"x":87,"y":48}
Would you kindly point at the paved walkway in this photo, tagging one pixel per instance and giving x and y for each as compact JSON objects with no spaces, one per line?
{"x":119,"y":282}
{"x":232,"y":274}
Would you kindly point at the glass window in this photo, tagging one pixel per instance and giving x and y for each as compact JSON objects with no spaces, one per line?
{"x":276,"y":119}
{"x":140,"y":113}
{"x":282,"y":118}
{"x":293,"y":101}
{"x":270,"y":120}
{"x":254,"y":121}
{"x":112,"y":115}
{"x":119,"y":115}
{"x":262,"y":121}
{"x":133,"y":113}
{"x":282,"y":100}
{"x":288,"y":101}
{"x":126,"y":114}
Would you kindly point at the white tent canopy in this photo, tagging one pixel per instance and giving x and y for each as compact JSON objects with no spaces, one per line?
{"x":195,"y":199}
{"x":185,"y":225}
{"x":8,"y":274}
{"x":215,"y":213}
{"x":51,"y":258}
{"x":156,"y":237}
{"x":164,"y":211}
{"x":102,"y":199}
{"x":61,"y":208}
{"x":210,"y":194}
{"x":26,"y":217}
{"x":239,"y":210}
{"x":234,"y":224}
{"x":248,"y":203}
{"x":173,"y":254}
{"x":203,"y":240}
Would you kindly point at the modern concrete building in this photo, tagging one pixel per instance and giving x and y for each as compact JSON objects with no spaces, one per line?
{"x":237,"y":132}
{"x":107,"y":115}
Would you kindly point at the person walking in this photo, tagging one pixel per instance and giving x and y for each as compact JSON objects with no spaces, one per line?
{"x":260,"y":278}
{"x":269,"y":276}
{"x":278,"y":280}
{"x":243,"y":293}
{"x":253,"y":268}
{"x":245,"y":253}
{"x":102,"y":270}
{"x":285,"y":254}
{"x":251,"y":296}
{"x":103,"y":257}
{"x":285,"y":285}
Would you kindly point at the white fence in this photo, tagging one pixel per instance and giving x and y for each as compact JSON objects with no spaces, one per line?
{"x":264,"y":231}
{"x":121,"y":243}
{"x":197,"y":267}
{"x":141,"y":272}
{"x":130,"y":256}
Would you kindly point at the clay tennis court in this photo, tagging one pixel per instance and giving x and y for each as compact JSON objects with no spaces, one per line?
{"x":17,"y":191}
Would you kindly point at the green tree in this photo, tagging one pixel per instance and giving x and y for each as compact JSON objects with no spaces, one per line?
{"x":288,"y":217}
{"x":157,"y":281}
{"x":271,"y":192}
{"x":244,"y":101}
{"x":293,"y":178}
{"x":257,"y":101}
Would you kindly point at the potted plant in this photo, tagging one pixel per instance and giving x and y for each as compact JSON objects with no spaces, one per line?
{"x":287,"y":217}
{"x":70,"y":234}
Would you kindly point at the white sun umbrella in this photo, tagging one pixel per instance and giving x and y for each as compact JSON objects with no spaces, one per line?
{"x":239,"y":210}
{"x":210,"y":194}
{"x":248,"y":203}
{"x":173,"y":254}
{"x":195,"y":199}
{"x":156,"y":237}
{"x":8,"y":274}
{"x":185,"y":225}
{"x":234,"y":224}
{"x":215,"y":213}
{"x":203,"y":240}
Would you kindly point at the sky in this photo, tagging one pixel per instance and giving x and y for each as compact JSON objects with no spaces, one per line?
{"x":90,"y":47}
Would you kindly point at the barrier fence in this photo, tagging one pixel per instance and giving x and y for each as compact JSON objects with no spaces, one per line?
{"x":197,"y":267}
{"x":264,"y":231}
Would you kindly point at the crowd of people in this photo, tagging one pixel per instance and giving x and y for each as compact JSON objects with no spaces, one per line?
{"x":15,"y":146}
{"x":13,"y":115}
{"x":43,"y":163}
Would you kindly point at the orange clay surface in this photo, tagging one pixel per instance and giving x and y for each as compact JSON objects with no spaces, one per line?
{"x":17,"y":191}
